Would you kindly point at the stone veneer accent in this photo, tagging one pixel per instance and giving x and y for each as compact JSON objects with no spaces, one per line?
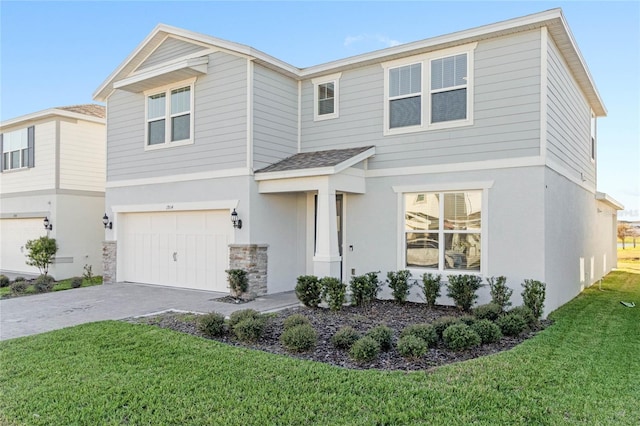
{"x":253,"y":259}
{"x":109,"y":257}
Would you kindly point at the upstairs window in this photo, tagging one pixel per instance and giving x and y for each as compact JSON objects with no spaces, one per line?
{"x":325,"y":97}
{"x":449,"y":88}
{"x":17,"y":149}
{"x":169,"y":116}
{"x":405,"y":96}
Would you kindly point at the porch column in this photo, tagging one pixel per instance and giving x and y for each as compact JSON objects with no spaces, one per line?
{"x":326,"y":261}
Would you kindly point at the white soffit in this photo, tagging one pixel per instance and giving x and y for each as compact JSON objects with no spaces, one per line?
{"x":163,"y":75}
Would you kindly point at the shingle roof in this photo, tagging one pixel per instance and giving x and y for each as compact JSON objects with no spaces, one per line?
{"x":93,"y":110}
{"x":316,"y":159}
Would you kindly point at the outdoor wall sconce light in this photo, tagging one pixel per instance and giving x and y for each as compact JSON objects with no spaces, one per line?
{"x":106,"y":223}
{"x":237,"y":223}
{"x":47,"y":225}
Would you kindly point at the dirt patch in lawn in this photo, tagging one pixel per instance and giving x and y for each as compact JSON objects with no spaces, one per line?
{"x":326,"y":323}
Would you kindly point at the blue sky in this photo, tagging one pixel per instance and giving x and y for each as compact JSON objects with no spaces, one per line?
{"x":58,"y":53}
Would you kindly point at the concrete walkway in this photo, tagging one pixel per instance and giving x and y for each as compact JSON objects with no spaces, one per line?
{"x":28,"y":315}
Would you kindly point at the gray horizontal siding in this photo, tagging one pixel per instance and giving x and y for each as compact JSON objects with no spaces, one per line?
{"x":220,"y":127}
{"x":506,"y":112}
{"x":569,"y":120}
{"x":275,"y":117}
{"x":170,"y":49}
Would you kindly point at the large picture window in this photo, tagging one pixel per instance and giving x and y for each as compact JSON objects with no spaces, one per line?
{"x":443,"y":230}
{"x":169,"y":116}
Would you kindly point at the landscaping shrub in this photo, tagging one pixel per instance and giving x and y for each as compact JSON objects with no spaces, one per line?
{"x":4,"y":281}
{"x":88,"y":273}
{"x":364,"y":350}
{"x":211,"y":324}
{"x":43,"y":283}
{"x":525,"y":313}
{"x":533,"y":296}
{"x":425,"y":332}
{"x":462,"y":289}
{"x":364,"y":288}
{"x":460,"y":336}
{"x":345,"y":338}
{"x":250,"y":329}
{"x":40,"y":253}
{"x":18,"y":287}
{"x":334,"y":292}
{"x":411,"y":346}
{"x":500,"y":293}
{"x":467,"y":319}
{"x":383,"y":335}
{"x":488,"y":331}
{"x":295,"y":320}
{"x":238,"y":281}
{"x":399,"y":284}
{"x":442,"y":323}
{"x":512,"y":324}
{"x":76,"y":282}
{"x":309,"y":290}
{"x":241,"y":315}
{"x":490,"y":311}
{"x":300,"y":338}
{"x":21,"y":278}
{"x":431,"y":284}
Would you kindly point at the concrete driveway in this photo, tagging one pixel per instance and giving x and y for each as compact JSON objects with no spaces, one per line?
{"x":25,"y":316}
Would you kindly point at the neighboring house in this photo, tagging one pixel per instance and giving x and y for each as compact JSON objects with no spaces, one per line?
{"x":53,"y":168}
{"x":473,"y":152}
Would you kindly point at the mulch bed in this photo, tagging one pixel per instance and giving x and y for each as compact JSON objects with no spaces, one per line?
{"x":326,"y":323}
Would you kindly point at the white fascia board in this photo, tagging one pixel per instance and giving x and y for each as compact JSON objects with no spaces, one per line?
{"x":51,"y":112}
{"x":199,"y":65}
{"x":610,"y":201}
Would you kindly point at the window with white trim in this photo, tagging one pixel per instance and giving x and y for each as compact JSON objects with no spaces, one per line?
{"x":325,"y":97}
{"x":169,"y":116}
{"x":443,"y":230}
{"x":17,"y":149}
{"x":449,"y":88}
{"x":405,"y":96}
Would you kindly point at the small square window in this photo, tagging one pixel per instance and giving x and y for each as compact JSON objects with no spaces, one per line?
{"x":326,"y":97}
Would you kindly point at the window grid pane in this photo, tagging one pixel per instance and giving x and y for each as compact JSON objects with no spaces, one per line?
{"x":180,"y":100}
{"x":405,"y":80}
{"x":180,"y":127}
{"x":156,"y":106}
{"x":156,"y":132}
{"x":447,"y":106}
{"x":405,"y":112}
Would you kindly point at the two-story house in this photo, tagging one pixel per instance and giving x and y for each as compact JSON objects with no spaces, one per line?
{"x":53,"y":174}
{"x":472,"y":152}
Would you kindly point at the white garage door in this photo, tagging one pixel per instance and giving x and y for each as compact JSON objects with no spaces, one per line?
{"x":179,"y":249}
{"x":14,"y":234}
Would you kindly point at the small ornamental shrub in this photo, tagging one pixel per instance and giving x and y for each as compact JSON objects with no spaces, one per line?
{"x":211,"y":324}
{"x":41,"y":252}
{"x":462,"y":289}
{"x":459,"y":337}
{"x":467,"y":319}
{"x":431,"y":284}
{"x":238,"y":281}
{"x":364,"y":288}
{"x":365,"y":349}
{"x":490,"y":311}
{"x":512,"y":324}
{"x":18,"y":287}
{"x":525,"y":313}
{"x":399,"y":284}
{"x":425,"y":332}
{"x":500,"y":293}
{"x":533,"y":296}
{"x":4,"y":281}
{"x":411,"y":346}
{"x":383,"y":335}
{"x":345,"y":338}
{"x":294,"y":320}
{"x":334,"y":292}
{"x":88,"y":273}
{"x":43,"y":283}
{"x":442,"y":323}
{"x":488,"y":331}
{"x":309,"y":290}
{"x":242,"y":314}
{"x":300,"y":338}
{"x":250,"y":329}
{"x":20,"y":279}
{"x":76,"y":282}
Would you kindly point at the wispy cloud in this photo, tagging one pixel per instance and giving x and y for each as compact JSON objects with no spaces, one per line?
{"x":377,"y":38}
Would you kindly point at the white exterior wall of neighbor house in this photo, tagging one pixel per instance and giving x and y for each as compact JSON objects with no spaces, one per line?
{"x":82,"y":155}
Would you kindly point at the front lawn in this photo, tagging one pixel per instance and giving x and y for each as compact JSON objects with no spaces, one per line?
{"x":584,"y":369}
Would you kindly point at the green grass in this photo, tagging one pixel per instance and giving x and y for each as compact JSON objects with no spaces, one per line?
{"x":59,"y":286}
{"x":584,"y":369}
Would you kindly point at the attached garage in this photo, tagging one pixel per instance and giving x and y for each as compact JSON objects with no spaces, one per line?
{"x":14,"y":234}
{"x":187,"y":249}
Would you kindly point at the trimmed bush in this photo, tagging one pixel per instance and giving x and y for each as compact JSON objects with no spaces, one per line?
{"x":533,"y":296}
{"x":41,"y":252}
{"x":365,"y":349}
{"x":238,"y":281}
{"x":512,"y":324}
{"x":43,"y":283}
{"x":364,"y":288}
{"x":490,"y":311}
{"x":20,"y":279}
{"x":4,"y":281}
{"x":431,"y":284}
{"x":241,"y":315}
{"x":500,"y":293}
{"x":295,"y":320}
{"x":383,"y":335}
{"x":411,"y":346}
{"x":309,"y":290}
{"x":488,"y":331}
{"x":18,"y":287}
{"x":462,"y":289}
{"x":442,"y":323}
{"x":300,"y":338}
{"x":459,"y":337}
{"x":211,"y":324}
{"x":250,"y":329}
{"x":334,"y":292}
{"x":76,"y":282}
{"x":399,"y":284}
{"x":425,"y":332}
{"x":525,"y":313}
{"x":467,"y":319}
{"x":345,"y":338}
